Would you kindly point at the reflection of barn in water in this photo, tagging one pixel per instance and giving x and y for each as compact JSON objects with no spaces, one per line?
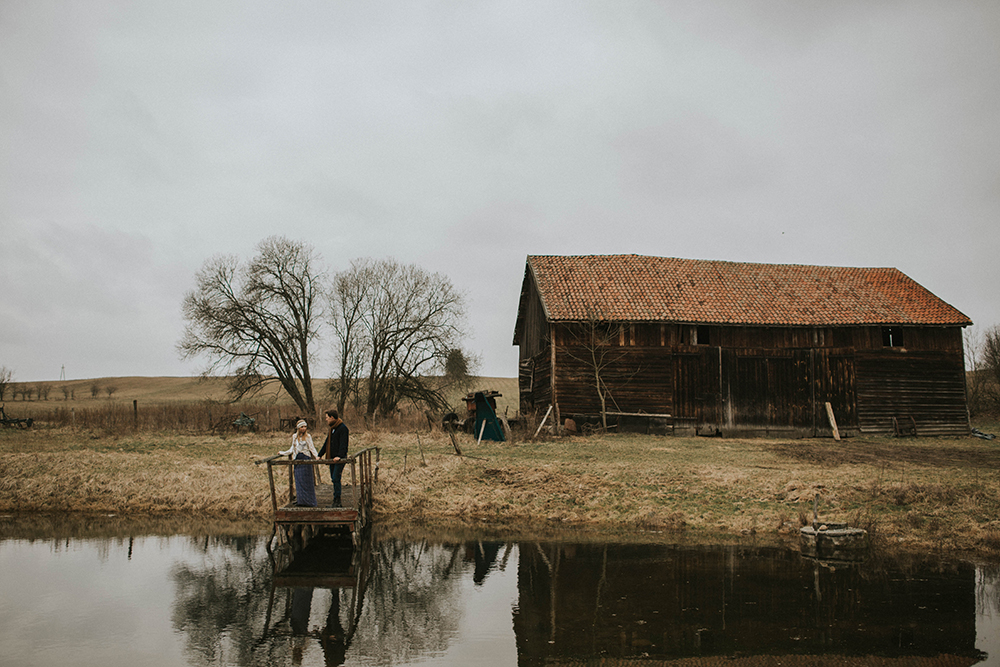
{"x":624,"y":602}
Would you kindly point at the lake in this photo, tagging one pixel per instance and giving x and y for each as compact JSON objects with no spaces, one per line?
{"x":417,"y":599}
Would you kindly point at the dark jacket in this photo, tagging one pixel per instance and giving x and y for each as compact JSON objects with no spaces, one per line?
{"x":338,"y":436}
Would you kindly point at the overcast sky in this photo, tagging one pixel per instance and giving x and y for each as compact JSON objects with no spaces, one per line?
{"x":138,"y":139}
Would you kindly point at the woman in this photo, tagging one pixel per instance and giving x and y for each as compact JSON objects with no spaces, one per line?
{"x":302,"y":449}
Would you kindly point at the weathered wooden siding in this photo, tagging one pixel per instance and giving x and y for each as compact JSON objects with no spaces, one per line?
{"x":535,"y":328}
{"x":535,"y":382}
{"x":765,"y":389}
{"x":656,"y":334}
{"x":914,"y":338}
{"x":927,"y":387}
{"x":834,"y":382}
{"x":711,"y":387}
{"x":759,"y":378}
{"x":637,"y":379}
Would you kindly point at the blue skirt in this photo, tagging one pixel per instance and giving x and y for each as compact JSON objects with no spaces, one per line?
{"x":305,"y":483}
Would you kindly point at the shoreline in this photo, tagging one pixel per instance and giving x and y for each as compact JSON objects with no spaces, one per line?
{"x":939,"y":494}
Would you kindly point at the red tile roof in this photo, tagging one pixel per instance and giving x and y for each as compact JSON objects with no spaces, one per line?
{"x":641,"y":288}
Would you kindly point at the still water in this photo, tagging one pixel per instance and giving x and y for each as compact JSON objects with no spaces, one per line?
{"x":187,"y":600}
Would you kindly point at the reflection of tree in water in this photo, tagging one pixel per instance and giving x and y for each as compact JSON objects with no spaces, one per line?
{"x":413,"y":604}
{"x":221,"y":602}
{"x":411,"y":608}
{"x":988,"y":588}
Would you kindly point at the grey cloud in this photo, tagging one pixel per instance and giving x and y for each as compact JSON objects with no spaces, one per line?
{"x":146,"y":137}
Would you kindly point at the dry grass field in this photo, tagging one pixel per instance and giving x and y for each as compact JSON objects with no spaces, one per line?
{"x":151,"y":389}
{"x":190,"y":404}
{"x":160,"y":390}
{"x":910,"y":493}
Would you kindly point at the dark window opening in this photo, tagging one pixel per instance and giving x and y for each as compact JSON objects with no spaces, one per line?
{"x":702,"y":336}
{"x":892,"y":337}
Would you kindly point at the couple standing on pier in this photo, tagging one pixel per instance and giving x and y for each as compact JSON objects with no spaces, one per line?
{"x":334,"y":448}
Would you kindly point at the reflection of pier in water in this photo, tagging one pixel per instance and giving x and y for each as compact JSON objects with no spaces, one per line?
{"x":625,"y":602}
{"x":328,"y":563}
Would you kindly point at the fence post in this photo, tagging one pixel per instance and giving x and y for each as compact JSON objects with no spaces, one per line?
{"x":354,"y":479}
{"x":135,"y":414}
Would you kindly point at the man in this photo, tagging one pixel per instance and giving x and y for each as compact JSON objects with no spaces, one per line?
{"x":335,"y":448}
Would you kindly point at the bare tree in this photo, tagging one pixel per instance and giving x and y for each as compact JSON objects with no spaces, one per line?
{"x":65,"y":391}
{"x":395,"y":326}
{"x":6,"y":381}
{"x":352,"y":291}
{"x":258,"y":320}
{"x":990,"y":351}
{"x":976,"y":374}
{"x":95,"y":390}
{"x":110,"y":390}
{"x":595,"y":345}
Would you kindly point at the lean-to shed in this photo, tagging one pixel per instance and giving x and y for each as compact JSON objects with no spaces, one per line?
{"x":730,"y":347}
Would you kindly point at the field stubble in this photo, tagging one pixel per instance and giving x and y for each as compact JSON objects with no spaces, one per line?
{"x":909,"y":493}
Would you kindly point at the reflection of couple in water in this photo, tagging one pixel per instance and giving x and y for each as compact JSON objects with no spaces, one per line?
{"x":332,"y":637}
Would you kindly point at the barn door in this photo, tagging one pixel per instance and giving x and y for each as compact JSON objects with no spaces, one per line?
{"x":696,"y":388}
{"x":750,"y":390}
{"x":765,"y":389}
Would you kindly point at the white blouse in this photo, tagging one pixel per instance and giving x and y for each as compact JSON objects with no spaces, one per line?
{"x":303,"y":446}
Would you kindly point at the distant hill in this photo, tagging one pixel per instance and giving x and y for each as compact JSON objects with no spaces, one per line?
{"x":187,"y":389}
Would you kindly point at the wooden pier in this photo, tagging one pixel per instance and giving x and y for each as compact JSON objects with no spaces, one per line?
{"x":293,"y":523}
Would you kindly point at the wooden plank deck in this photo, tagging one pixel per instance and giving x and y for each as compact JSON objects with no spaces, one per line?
{"x":324,"y":513}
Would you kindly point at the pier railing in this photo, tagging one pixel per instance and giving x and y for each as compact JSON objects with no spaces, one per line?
{"x":367,"y":475}
{"x":364,"y":475}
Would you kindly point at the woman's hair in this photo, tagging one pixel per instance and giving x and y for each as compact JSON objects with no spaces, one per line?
{"x":301,"y":423}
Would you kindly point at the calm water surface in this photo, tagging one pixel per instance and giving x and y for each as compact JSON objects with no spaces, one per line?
{"x":184,"y":600}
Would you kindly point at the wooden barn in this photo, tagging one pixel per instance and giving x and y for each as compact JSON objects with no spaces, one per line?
{"x":694,"y":346}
